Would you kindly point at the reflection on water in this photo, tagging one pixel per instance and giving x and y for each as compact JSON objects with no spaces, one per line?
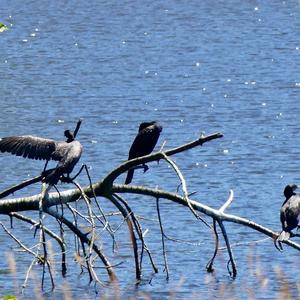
{"x":196,"y":67}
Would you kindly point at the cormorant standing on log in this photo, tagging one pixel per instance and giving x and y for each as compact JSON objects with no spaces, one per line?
{"x":143,"y":144}
{"x":67,"y":153}
{"x":289,"y":212}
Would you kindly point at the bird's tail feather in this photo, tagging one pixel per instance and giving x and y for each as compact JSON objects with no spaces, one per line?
{"x":284,"y":236}
{"x":129,"y":176}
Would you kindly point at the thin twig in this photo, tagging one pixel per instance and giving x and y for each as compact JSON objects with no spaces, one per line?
{"x":50,"y":233}
{"x":139,"y":230}
{"x":184,"y":188}
{"x":125,"y":213}
{"x":93,"y":232}
{"x":39,"y":258}
{"x":85,"y":240}
{"x":230,"y":253}
{"x":209,"y":266}
{"x":162,"y":239}
{"x":228,"y":202}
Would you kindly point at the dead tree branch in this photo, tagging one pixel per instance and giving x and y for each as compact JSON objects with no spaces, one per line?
{"x":111,"y":192}
{"x":50,"y":233}
{"x":85,"y":240}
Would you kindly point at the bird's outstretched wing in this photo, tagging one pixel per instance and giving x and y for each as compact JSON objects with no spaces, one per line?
{"x":30,"y":147}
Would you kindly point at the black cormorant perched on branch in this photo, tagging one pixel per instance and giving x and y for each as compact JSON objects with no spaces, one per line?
{"x":143,"y":144}
{"x":289,"y":212}
{"x":67,"y":153}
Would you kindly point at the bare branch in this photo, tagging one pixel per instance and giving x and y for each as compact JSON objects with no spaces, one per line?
{"x":84,"y":240}
{"x":20,"y":186}
{"x":184,"y":188}
{"x":231,"y":257}
{"x":107,"y":189}
{"x":140,"y":234}
{"x":162,"y":239}
{"x":50,"y":233}
{"x":109,"y":179}
{"x":228,"y":202}
{"x":20,"y":243}
{"x":132,"y":235}
{"x":209,"y":266}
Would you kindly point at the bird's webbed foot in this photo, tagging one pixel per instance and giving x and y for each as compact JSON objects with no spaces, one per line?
{"x":145,"y":167}
{"x":66,"y":179}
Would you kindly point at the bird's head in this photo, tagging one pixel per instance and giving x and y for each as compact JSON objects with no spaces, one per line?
{"x":147,"y":124}
{"x":289,"y":190}
{"x":69,"y":135}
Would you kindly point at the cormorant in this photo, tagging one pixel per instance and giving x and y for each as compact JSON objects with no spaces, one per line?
{"x":143,"y":144}
{"x":289,"y":212}
{"x":67,"y":153}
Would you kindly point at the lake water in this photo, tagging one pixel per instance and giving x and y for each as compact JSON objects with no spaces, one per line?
{"x":195,"y":66}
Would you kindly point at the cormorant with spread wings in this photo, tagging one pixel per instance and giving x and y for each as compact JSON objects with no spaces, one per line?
{"x":67,"y":153}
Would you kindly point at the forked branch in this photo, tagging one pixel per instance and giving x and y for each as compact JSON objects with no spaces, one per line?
{"x":109,"y":190}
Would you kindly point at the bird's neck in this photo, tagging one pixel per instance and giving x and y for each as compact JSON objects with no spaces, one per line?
{"x":288,"y":197}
